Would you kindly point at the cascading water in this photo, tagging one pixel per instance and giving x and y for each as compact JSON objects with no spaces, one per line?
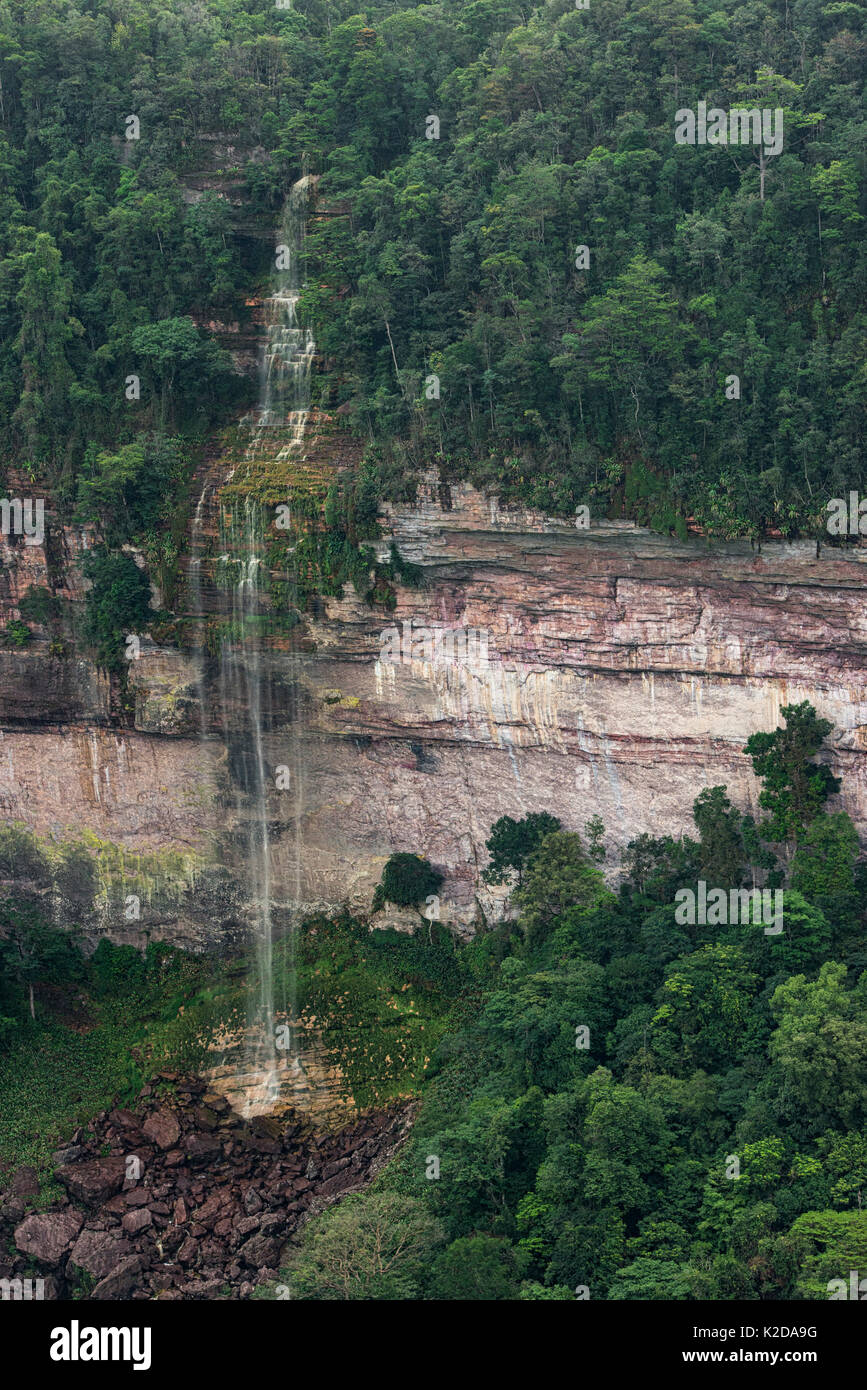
{"x":268,"y":1067}
{"x":284,"y":369}
{"x":244,"y":695}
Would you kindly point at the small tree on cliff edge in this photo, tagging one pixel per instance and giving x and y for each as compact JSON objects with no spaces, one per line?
{"x":407,"y":880}
{"x":512,"y":842}
{"x":795,"y":789}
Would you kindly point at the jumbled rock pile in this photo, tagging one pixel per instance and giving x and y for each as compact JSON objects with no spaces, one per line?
{"x":180,"y":1198}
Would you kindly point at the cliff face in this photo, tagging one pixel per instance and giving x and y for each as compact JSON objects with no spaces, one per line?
{"x":624,"y":673}
{"x":608,"y":671}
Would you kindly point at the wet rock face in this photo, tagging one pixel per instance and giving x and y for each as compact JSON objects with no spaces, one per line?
{"x":208,"y":1218}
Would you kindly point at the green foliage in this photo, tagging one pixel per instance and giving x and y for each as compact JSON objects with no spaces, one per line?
{"x":179,"y":361}
{"x":652,"y":1279}
{"x":825,"y":1081}
{"x":831,"y":1244}
{"x":560,"y":882}
{"x":511,"y":843}
{"x":559,"y":383}
{"x":824,"y":862}
{"x":721,"y":853}
{"x":16,"y":633}
{"x":74,"y":874}
{"x":20,"y":855}
{"x":795,"y":789}
{"x":379,"y":1000}
{"x":133,"y":491}
{"x":562,"y":382}
{"x":32,"y":950}
{"x":38,"y":605}
{"x":117,"y":606}
{"x":122,"y":1017}
{"x":605,"y":1066}
{"x":407,"y":880}
{"x":474,"y":1268}
{"x":376,"y":1246}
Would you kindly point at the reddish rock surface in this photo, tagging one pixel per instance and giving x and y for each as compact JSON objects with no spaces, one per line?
{"x":162,"y":1128}
{"x":47,"y":1237}
{"x":212,"y":1225}
{"x":625,"y":671}
{"x":93,"y":1180}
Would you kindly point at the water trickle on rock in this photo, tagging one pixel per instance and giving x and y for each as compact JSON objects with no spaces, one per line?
{"x":284,"y":368}
{"x":264,"y":1069}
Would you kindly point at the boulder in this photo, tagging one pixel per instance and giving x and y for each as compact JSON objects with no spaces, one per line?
{"x":95,"y":1180}
{"x":162,"y":1129}
{"x":68,"y":1154}
{"x":119,"y":1283}
{"x":203,"y":1148}
{"x":202,"y":1288}
{"x":136,"y":1221}
{"x":99,"y":1252}
{"x":188,"y":1251}
{"x":259,"y":1250}
{"x":25,"y":1183}
{"x":47,"y":1237}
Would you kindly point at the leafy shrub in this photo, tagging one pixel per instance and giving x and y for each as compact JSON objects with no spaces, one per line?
{"x":16,"y":633}
{"x":75,"y":874}
{"x":375,"y":1246}
{"x":118,"y":603}
{"x":475,"y":1267}
{"x":407,"y":879}
{"x":20,"y":855}
{"x":116,"y":971}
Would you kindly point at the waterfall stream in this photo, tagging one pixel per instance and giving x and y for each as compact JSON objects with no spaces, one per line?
{"x":265,"y":754}
{"x":284,"y":367}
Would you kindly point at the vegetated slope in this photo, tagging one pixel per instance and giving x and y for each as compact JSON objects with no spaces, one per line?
{"x":451,"y":258}
{"x":639,"y":1102}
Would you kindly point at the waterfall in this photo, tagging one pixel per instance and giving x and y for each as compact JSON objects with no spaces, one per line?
{"x":246,"y":714}
{"x":284,"y":368}
{"x":196,"y":604}
{"x":266,"y":1068}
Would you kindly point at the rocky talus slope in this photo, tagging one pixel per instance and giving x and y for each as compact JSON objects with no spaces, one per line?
{"x":178,"y":1198}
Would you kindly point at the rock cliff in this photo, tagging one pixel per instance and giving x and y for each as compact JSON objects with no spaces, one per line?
{"x":605,"y":671}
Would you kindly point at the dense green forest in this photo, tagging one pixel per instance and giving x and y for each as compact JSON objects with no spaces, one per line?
{"x":451,"y":320}
{"x":631,"y":1108}
{"x":615,"y":1103}
{"x":515,"y":276}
